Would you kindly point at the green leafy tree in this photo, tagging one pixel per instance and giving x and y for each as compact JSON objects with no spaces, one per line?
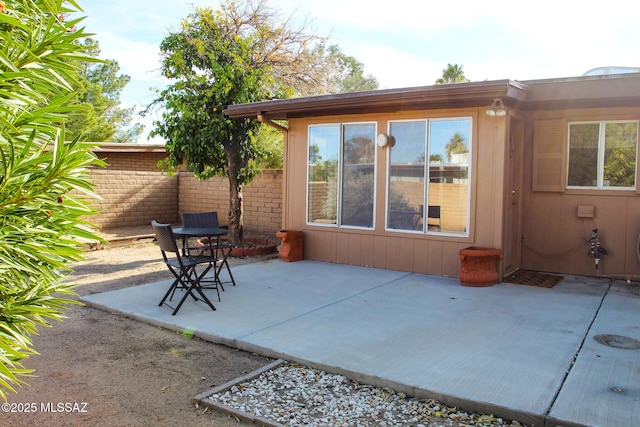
{"x":43,"y":179}
{"x":270,"y":142}
{"x":350,"y":75}
{"x":101,"y":118}
{"x":454,"y":73}
{"x":342,"y":73}
{"x":237,"y":54}
{"x":212,"y":69}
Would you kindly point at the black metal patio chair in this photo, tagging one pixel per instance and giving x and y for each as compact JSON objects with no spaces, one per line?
{"x":184,"y":268}
{"x":220,"y":250}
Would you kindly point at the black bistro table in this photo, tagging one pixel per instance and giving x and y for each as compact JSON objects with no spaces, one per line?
{"x":211,"y":233}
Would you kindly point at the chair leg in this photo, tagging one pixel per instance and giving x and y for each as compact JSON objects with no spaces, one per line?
{"x":189,"y":279}
{"x":216,"y":282}
{"x":204,"y":297}
{"x":225,"y":263}
{"x":184,"y":297}
{"x":178,"y":283}
{"x":171,"y":291}
{"x":194,"y":286}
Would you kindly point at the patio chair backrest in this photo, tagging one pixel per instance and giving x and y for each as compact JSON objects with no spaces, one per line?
{"x":200,"y":219}
{"x":165,"y":237}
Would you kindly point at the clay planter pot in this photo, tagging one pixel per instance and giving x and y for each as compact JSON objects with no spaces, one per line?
{"x":479,"y":266}
{"x":292,"y":245}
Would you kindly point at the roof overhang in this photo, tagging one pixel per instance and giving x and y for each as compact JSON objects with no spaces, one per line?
{"x":616,"y":90}
{"x":575,"y":92}
{"x":389,"y":100}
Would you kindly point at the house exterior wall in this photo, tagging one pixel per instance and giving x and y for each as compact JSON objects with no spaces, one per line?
{"x":555,"y":239}
{"x":422,"y":253}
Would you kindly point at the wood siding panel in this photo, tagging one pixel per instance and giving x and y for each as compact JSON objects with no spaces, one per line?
{"x":435,"y":259}
{"x":342,"y":248}
{"x":450,"y":259}
{"x":421,"y":256}
{"x":405,"y":252}
{"x":556,"y":239}
{"x":393,"y":247}
{"x":380,"y":252}
{"x":366,"y":249}
{"x":320,"y":245}
{"x":631,"y":237}
{"x":612,"y":237}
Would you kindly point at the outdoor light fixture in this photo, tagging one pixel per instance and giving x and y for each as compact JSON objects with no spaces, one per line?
{"x":497,"y":108}
{"x":385,"y":140}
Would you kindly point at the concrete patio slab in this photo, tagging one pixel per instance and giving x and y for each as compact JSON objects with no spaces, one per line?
{"x":504,"y":349}
{"x":604,"y":383}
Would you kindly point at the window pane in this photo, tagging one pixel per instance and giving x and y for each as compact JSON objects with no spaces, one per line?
{"x":620,"y":154}
{"x":406,"y":176}
{"x":324,"y":150}
{"x":358,"y":155}
{"x":449,"y":150}
{"x":583,"y":154}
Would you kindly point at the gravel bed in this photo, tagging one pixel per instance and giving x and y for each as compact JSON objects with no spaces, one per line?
{"x":295,"y":395}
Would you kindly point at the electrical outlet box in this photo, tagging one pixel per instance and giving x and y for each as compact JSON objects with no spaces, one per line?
{"x":586,"y":211}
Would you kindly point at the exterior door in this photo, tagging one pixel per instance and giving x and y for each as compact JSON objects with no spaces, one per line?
{"x":513,"y":198}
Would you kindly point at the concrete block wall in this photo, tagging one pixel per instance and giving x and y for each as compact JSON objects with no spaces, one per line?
{"x":134,"y":192}
{"x":132,"y":161}
{"x":132,"y":198}
{"x":262,"y":199}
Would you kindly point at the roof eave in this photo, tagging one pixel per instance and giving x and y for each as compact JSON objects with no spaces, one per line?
{"x":621,"y":90}
{"x":390,"y":100}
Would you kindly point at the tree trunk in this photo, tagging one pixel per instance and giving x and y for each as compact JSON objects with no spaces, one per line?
{"x":235,"y":213}
{"x":235,"y":205}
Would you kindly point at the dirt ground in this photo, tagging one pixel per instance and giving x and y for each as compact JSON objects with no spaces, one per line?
{"x":101,"y":369}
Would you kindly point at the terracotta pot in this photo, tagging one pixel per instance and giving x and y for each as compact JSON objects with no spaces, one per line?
{"x":292,"y":245}
{"x":479,"y":266}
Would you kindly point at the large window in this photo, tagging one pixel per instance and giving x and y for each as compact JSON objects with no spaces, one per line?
{"x":602,"y":154}
{"x":341,"y":176}
{"x":428,"y":189}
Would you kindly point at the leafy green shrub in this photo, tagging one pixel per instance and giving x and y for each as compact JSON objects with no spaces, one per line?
{"x":44,"y":184}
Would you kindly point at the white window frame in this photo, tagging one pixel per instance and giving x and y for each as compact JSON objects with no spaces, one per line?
{"x":601,"y":156}
{"x":338,"y":223}
{"x":425,"y":230}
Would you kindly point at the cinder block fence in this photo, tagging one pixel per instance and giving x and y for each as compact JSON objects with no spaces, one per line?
{"x":134,"y":192}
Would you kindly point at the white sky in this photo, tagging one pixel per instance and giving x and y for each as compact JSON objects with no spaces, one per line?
{"x":402,"y":43}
